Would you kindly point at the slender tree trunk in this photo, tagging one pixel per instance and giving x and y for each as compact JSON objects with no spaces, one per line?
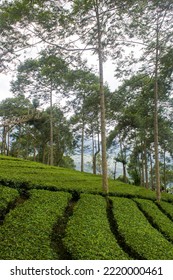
{"x":82,"y":148}
{"x":83,"y":131}
{"x":123,"y":161}
{"x":124,"y":172}
{"x":94,"y":161}
{"x":93,"y":152}
{"x":139,"y":169}
{"x":151,"y":171}
{"x":156,"y":130}
{"x":115,"y":170}
{"x":142,"y":167}
{"x":164,"y":169}
{"x":51,"y":129}
{"x":96,"y":152}
{"x":141,"y":183}
{"x":4,"y":135}
{"x":146,"y":165}
{"x":102,"y":104}
{"x":8,"y":142}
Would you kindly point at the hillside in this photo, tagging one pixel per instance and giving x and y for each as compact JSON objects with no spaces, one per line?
{"x":55,"y":213}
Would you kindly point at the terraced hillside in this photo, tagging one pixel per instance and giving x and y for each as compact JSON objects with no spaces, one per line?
{"x":55,"y":213}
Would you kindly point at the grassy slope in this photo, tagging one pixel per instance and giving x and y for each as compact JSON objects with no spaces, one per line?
{"x":20,"y":174}
{"x":27,"y":229}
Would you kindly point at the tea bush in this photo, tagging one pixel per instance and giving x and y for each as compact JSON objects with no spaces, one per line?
{"x":157,"y":218}
{"x":7,"y":196}
{"x":138,"y":232}
{"x":88,"y":235}
{"x":168,"y":208}
{"x":19,"y":174}
{"x":26,"y":232}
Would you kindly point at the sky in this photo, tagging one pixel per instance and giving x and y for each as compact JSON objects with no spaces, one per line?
{"x":5,"y":86}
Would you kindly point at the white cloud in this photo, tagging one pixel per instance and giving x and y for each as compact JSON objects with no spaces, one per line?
{"x":5,"y":86}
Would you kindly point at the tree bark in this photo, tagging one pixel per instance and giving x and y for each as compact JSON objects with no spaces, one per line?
{"x":142,"y":167}
{"x":51,"y":129}
{"x":164,"y":169}
{"x":151,"y":172}
{"x":124,"y":172}
{"x":82,"y":148}
{"x":156,"y":129}
{"x":102,"y":104}
{"x":115,"y":170}
{"x":146,"y":164}
{"x":4,"y":134}
{"x":95,"y":153}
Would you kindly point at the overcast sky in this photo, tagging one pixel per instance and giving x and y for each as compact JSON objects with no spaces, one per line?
{"x":5,"y":86}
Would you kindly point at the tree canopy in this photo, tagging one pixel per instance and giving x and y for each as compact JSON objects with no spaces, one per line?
{"x":73,"y":98}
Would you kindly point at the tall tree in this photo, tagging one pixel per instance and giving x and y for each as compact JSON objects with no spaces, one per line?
{"x":12,"y":108}
{"x":152,"y":25}
{"x":40,"y":78}
{"x":85,"y":104}
{"x":73,"y":28}
{"x":92,"y":21}
{"x":132,"y":107}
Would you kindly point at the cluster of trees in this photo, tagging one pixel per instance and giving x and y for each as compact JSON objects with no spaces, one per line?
{"x":140,"y":110}
{"x":31,"y":139}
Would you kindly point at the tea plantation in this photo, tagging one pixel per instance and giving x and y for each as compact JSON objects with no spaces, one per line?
{"x":55,"y":213}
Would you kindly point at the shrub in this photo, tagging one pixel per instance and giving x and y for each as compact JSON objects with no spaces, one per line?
{"x":7,"y":196}
{"x":26,"y":232}
{"x":88,"y":235}
{"x":168,"y":208}
{"x":157,"y":218}
{"x":26,"y":174}
{"x":138,"y":233}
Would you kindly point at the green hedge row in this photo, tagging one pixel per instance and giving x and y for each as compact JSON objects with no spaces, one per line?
{"x":168,"y":208}
{"x":138,"y":232}
{"x":157,"y":218}
{"x":2,"y":157}
{"x":7,"y":196}
{"x":35,"y":175}
{"x":26,"y":174}
{"x":26,"y":232}
{"x":88,"y":234}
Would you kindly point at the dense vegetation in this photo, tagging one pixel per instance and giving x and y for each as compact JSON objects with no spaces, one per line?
{"x":56,"y":213}
{"x":59,"y":100}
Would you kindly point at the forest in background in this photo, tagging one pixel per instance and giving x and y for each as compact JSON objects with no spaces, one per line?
{"x":59,"y":101}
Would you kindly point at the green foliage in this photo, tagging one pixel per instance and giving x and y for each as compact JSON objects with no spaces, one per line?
{"x":138,"y":232}
{"x":37,"y":77}
{"x":31,"y":138}
{"x":16,"y":106}
{"x":121,"y":178}
{"x":157,"y":218}
{"x":7,"y":196}
{"x":67,"y":162}
{"x":88,"y":235}
{"x":28,"y":174}
{"x":27,"y":229}
{"x":26,"y":232}
{"x":167,"y":208}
